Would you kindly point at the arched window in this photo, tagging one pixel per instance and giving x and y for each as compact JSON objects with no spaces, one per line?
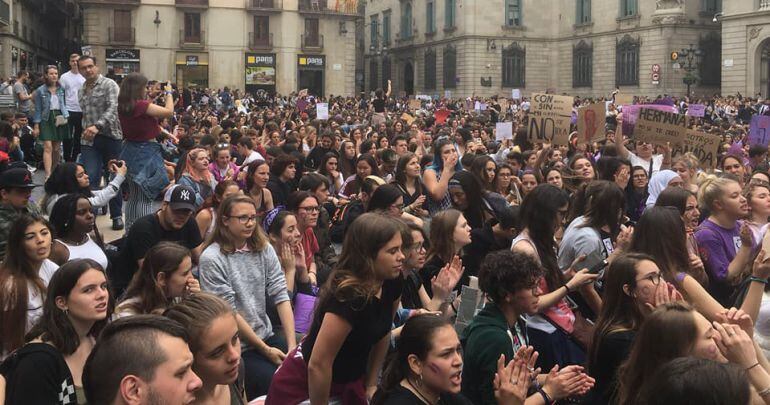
{"x":430,"y":69}
{"x":406,"y":20}
{"x":450,"y":67}
{"x":711,"y":63}
{"x":627,"y":62}
{"x":514,"y":65}
{"x":582,"y":65}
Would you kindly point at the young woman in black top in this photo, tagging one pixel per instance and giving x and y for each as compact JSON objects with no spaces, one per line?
{"x":48,"y":369}
{"x":350,"y":335}
{"x":449,"y":234}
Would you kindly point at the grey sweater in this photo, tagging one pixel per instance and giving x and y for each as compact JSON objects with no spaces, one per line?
{"x":245,"y":280}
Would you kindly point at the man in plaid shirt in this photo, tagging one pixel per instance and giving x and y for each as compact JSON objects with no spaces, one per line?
{"x":102,"y":137}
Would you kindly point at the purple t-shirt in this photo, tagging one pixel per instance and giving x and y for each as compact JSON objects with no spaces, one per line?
{"x":717,"y":247}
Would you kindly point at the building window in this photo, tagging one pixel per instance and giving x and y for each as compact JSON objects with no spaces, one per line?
{"x":450,"y":67}
{"x":449,"y":13}
{"x":430,"y":18}
{"x":385,"y":72}
{"x":513,"y":13}
{"x":374,"y":31}
{"x":261,"y":30}
{"x":711,"y":61}
{"x":582,"y":65}
{"x":627,"y":62}
{"x":312,"y":37}
{"x":373,"y":74}
{"x":406,"y":21}
{"x":628,"y":8}
{"x":514,"y":66}
{"x":122,"y":25}
{"x":712,"y":6}
{"x":386,"y":29}
{"x":430,"y":69}
{"x":583,"y":13}
{"x":192,"y":28}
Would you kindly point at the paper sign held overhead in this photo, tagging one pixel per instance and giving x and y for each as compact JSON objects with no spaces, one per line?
{"x":660,"y":127}
{"x":322,"y":111}
{"x":624,"y":99}
{"x":704,"y":146}
{"x":441,"y":115}
{"x":503,"y":130}
{"x":590,"y":122}
{"x":696,"y":110}
{"x":414,"y":104}
{"x":549,"y":119}
{"x":759,"y":131}
{"x":516,"y":94}
{"x":407,"y":118}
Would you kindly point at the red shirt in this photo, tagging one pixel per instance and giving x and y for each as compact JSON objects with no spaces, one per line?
{"x":139,"y":126}
{"x":310,"y":245}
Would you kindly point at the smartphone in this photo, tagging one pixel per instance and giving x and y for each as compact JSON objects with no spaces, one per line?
{"x":594,"y":262}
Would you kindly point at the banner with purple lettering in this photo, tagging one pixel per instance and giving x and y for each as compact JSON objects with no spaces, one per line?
{"x":759,"y":131}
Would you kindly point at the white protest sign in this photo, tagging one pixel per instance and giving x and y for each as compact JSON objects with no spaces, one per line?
{"x":322,"y":111}
{"x":516,"y":94}
{"x":503,"y":130}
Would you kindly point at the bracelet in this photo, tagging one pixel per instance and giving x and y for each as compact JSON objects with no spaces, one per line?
{"x":758,"y":280}
{"x":752,"y":366}
{"x":764,"y":392}
{"x":545,"y":396}
{"x":569,"y":290}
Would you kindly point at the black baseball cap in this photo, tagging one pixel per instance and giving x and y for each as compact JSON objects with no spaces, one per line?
{"x":180,"y":197}
{"x":16,"y":177}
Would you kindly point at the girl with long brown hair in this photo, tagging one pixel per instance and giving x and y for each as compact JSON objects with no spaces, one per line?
{"x":350,"y":335}
{"x":241,"y":267}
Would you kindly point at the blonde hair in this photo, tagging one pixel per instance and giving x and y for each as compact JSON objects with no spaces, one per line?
{"x":710,"y":189}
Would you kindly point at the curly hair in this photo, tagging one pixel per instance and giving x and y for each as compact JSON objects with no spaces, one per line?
{"x":503,"y":272}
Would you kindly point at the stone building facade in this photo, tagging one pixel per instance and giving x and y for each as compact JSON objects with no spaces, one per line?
{"x":580,"y":47}
{"x":746,"y":47}
{"x":273,"y":45}
{"x":36,"y":33}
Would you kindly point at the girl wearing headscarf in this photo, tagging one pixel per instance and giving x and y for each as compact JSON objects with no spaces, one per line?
{"x":659,"y":181}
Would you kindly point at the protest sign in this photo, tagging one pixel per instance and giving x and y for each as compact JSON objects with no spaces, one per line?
{"x":322,"y":111}
{"x":441,"y":115}
{"x":503,"y":130}
{"x":407,"y":118}
{"x":631,"y":114}
{"x":624,"y":99}
{"x":590,"y":122}
{"x":696,"y":110}
{"x":549,"y":119}
{"x":302,"y":93}
{"x":516,"y":94}
{"x":704,"y":146}
{"x":423,"y":97}
{"x":759,"y":131}
{"x":504,"y":104}
{"x":660,"y":127}
{"x":447,"y":93}
{"x":414,"y":104}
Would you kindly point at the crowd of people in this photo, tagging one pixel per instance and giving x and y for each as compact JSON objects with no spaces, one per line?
{"x":398,"y":252}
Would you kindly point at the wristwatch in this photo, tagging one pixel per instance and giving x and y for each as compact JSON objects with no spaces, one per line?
{"x":99,"y":127}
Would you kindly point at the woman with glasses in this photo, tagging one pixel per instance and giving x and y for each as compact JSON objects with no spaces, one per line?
{"x":223,"y":168}
{"x":636,"y":193}
{"x":632,"y":289}
{"x":541,"y":215}
{"x":388,"y":200}
{"x":241,"y":267}
{"x":508,"y":184}
{"x":307,"y":209}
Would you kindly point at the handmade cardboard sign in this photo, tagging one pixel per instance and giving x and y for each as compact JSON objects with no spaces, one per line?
{"x":631,"y":114}
{"x":660,"y":127}
{"x":590,"y":122}
{"x":624,"y":99}
{"x":441,"y":115}
{"x":704,"y":146}
{"x":407,"y":118}
{"x":549,"y":119}
{"x":414,"y":104}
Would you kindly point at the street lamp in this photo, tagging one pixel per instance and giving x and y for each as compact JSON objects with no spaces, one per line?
{"x":692,"y":57}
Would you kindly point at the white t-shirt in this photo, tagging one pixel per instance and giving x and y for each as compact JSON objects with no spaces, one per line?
{"x":657,"y":162}
{"x":252,"y":157}
{"x":34,"y":298}
{"x":72,"y":82}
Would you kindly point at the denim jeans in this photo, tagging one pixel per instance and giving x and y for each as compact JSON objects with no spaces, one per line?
{"x":259,"y":369}
{"x":94,"y":158}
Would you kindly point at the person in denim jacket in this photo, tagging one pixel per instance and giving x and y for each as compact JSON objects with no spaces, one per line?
{"x":49,"y":105}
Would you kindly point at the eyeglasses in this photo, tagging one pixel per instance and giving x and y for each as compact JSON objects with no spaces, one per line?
{"x":310,"y":209}
{"x":399,"y":207}
{"x":223,"y":146}
{"x":654,"y":278}
{"x":416,"y":246}
{"x":245,"y":219}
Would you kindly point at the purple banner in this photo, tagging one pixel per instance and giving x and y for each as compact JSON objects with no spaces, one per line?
{"x":631,"y":114}
{"x":759,"y":131}
{"x":696,"y":110}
